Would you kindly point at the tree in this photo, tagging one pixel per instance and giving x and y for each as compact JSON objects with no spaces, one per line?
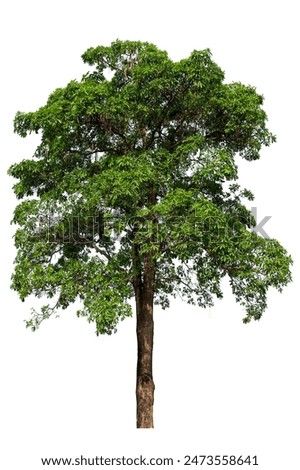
{"x":132,"y":193}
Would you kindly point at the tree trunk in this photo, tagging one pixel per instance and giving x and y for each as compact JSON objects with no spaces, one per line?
{"x":144,"y":328}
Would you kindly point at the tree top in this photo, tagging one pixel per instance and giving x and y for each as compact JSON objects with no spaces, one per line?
{"x":138,"y":159}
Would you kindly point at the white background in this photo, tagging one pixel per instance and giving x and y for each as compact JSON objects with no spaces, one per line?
{"x":221,"y":387}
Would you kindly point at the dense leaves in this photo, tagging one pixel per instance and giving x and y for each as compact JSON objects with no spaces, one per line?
{"x":137,"y":160}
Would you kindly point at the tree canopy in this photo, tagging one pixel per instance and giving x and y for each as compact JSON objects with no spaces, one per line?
{"x":137,"y":167}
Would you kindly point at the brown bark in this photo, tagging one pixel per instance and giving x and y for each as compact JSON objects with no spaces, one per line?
{"x":143,"y":282}
{"x":144,"y":292}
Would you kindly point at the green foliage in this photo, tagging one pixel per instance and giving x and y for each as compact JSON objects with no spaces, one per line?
{"x":137,"y":160}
